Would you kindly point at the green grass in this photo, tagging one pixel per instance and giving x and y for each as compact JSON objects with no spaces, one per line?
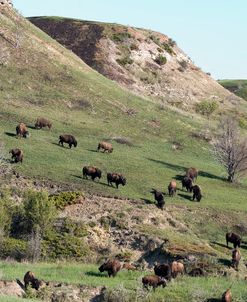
{"x":186,"y":288}
{"x":16,"y":299}
{"x":239,"y":87}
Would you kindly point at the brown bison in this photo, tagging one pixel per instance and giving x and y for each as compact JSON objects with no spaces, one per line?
{"x":154,"y":281}
{"x":129,"y":267}
{"x":21,"y":130}
{"x":177,"y":268}
{"x":158,"y":196}
{"x":233,"y":238}
{"x":93,"y":172}
{"x":197,"y":193}
{"x":192,"y":173}
{"x":163,"y":270}
{"x":227,"y":296}
{"x":42,"y":122}
{"x":29,"y":278}
{"x":105,"y":146}
{"x":236,"y":256}
{"x":17,"y":155}
{"x":172,"y":188}
{"x":116,"y":178}
{"x":111,"y":266}
{"x":187,"y":183}
{"x":196,"y":272}
{"x":68,"y":139}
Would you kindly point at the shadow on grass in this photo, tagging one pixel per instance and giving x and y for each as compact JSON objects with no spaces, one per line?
{"x":95,"y":274}
{"x":213,"y":300}
{"x":77,"y":176}
{"x":11,"y":134}
{"x":225,"y":262}
{"x":220,"y":244}
{"x":32,"y":127}
{"x":93,"y":150}
{"x":185,"y":196}
{"x":209,"y":175}
{"x":179,"y":177}
{"x":168,"y":165}
{"x":147,"y":201}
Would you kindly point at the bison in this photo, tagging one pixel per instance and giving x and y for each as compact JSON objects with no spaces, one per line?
{"x":29,"y":278}
{"x":17,"y":155}
{"x":42,"y":122}
{"x":177,"y":268}
{"x":163,"y":270}
{"x":187,"y":183}
{"x":158,"y":196}
{"x":197,"y":193}
{"x":227,"y":296}
{"x":111,"y":266}
{"x":172,"y":188}
{"x":94,"y":172}
{"x":116,"y":178}
{"x":236,"y":256}
{"x":192,"y":173}
{"x":21,"y":130}
{"x":154,"y":281}
{"x":68,"y":139}
{"x":196,"y":272}
{"x":105,"y":146}
{"x":233,"y":238}
{"x":129,"y":267}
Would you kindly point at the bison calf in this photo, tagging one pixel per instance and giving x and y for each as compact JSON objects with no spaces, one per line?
{"x":197,"y":193}
{"x":158,"y":196}
{"x":42,"y":122}
{"x":17,"y":155}
{"x":154,"y":281}
{"x":111,"y":266}
{"x":236,"y":256}
{"x":93,"y":172}
{"x":172,"y":188}
{"x":227,"y":296}
{"x":68,"y":139}
{"x":29,"y":278}
{"x":21,"y":130}
{"x":105,"y":146}
{"x":233,"y":238}
{"x":177,"y":268}
{"x":116,"y":178}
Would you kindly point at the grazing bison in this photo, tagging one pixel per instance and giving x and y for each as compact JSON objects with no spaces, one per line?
{"x":42,"y":122}
{"x":91,"y":171}
{"x":21,"y":130}
{"x":117,"y":178}
{"x":227,"y":296}
{"x":29,"y":278}
{"x":154,"y":281}
{"x":187,"y":183}
{"x":172,"y":188}
{"x":68,"y":139}
{"x":163,"y":270}
{"x":177,"y":268}
{"x":17,"y":155}
{"x":129,"y":267}
{"x":111,"y":266}
{"x":158,"y":196}
{"x":233,"y":238}
{"x":197,"y":193}
{"x":105,"y":146}
{"x":192,"y":173}
{"x":236,"y":256}
{"x":196,"y":272}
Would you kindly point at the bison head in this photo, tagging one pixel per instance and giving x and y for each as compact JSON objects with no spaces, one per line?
{"x":123,"y":180}
{"x":75,"y":143}
{"x":102,"y":267}
{"x":99,"y":173}
{"x":26,"y":134}
{"x":36,"y":283}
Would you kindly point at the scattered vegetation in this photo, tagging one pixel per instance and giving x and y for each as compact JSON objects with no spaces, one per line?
{"x":160,"y":59}
{"x":64,"y":199}
{"x":207,"y":107}
{"x":125,"y":61}
{"x":121,"y":36}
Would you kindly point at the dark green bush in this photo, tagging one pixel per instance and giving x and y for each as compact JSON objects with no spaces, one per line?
{"x":65,"y":198}
{"x":13,"y":248}
{"x":206,"y":107}
{"x":5,"y":217}
{"x":121,"y":36}
{"x":171,"y":42}
{"x":161,"y":60}
{"x":167,"y":48}
{"x":74,"y":228}
{"x":125,"y":60}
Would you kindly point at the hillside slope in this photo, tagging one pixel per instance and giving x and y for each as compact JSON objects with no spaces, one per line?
{"x":239,"y":87}
{"x":144,"y":61}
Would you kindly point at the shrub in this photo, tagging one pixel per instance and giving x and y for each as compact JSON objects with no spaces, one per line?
{"x":167,"y":48}
{"x":183,"y":65}
{"x":65,"y":198}
{"x":171,"y":42}
{"x":160,"y":59}
{"x":155,"y":39}
{"x":39,"y":211}
{"x":125,"y":60}
{"x":243,"y":123}
{"x":13,"y":248}
{"x":5,"y":218}
{"x":133,"y":46}
{"x":206,"y":107}
{"x":121,"y":36}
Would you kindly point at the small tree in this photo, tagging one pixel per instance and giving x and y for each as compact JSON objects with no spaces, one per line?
{"x":206,"y":107}
{"x":230,"y":149}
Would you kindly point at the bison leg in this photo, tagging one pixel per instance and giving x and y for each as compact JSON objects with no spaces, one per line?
{"x":194,"y":196}
{"x":70,"y":145}
{"x":117,"y":185}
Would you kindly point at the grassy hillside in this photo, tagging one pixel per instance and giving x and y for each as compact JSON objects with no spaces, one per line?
{"x":239,"y":87}
{"x":152,"y":143}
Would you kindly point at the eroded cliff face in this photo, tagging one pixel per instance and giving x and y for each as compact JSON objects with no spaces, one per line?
{"x":146,"y":62}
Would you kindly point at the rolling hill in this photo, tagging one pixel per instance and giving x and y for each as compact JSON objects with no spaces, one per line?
{"x":153,"y":143}
{"x":146,"y":62}
{"x":239,"y":87}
